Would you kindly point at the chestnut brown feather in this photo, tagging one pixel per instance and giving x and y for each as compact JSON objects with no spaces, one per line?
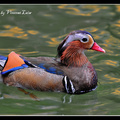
{"x":73,"y":55}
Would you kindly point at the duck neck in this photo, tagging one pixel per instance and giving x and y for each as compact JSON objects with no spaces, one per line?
{"x":74,"y":57}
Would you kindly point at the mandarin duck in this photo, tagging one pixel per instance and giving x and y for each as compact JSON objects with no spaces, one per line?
{"x":69,"y":72}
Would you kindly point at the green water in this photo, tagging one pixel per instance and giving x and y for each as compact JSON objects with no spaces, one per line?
{"x":39,"y":32}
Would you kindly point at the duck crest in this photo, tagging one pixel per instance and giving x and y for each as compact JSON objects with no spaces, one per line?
{"x":74,"y":55}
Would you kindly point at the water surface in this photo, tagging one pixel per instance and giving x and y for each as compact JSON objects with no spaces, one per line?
{"x":38,"y":33}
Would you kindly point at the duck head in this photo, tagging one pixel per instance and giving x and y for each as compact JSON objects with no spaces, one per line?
{"x":71,"y":49}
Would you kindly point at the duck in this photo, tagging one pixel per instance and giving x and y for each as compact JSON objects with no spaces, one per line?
{"x":70,"y":71}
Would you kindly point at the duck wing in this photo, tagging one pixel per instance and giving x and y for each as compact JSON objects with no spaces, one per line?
{"x":49,"y":64}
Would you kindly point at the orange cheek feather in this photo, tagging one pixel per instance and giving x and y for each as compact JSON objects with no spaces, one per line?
{"x":89,"y":44}
{"x":73,"y":54}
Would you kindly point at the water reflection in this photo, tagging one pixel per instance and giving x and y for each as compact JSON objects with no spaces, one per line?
{"x":40,"y":33}
{"x":70,"y":99}
{"x":14,"y":31}
{"x":117,"y":91}
{"x":83,"y":10}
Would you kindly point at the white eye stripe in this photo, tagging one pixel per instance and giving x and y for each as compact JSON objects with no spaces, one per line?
{"x":82,"y":37}
{"x":85,"y":39}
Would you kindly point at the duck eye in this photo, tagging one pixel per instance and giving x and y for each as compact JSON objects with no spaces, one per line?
{"x":84,"y":40}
